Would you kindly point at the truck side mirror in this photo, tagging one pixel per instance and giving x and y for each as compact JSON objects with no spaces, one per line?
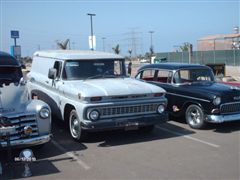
{"x":52,"y":73}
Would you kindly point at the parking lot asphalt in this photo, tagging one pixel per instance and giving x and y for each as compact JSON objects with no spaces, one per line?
{"x":171,"y":151}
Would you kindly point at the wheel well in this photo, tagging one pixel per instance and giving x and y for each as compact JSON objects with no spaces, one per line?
{"x":67,"y":109}
{"x":188,"y":104}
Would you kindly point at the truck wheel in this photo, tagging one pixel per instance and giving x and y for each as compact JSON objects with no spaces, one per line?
{"x":75,"y":126}
{"x":195,"y":117}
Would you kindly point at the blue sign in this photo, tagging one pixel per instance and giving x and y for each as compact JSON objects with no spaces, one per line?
{"x":14,"y":34}
{"x":15,"y":51}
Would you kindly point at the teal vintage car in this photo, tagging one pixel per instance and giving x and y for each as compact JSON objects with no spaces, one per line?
{"x":23,"y":122}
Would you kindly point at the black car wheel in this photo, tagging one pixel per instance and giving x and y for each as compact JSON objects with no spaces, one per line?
{"x":75,"y":126}
{"x":195,"y":117}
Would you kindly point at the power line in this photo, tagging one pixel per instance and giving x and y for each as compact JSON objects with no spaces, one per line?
{"x":134,"y":40}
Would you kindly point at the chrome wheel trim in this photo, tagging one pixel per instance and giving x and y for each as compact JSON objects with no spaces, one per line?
{"x":75,"y":128}
{"x":194,"y":116}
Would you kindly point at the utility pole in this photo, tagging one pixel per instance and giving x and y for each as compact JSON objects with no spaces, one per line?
{"x":151,"y":32}
{"x":134,"y":40}
{"x":73,"y":45}
{"x":103,"y":40}
{"x":91,"y":15}
{"x":190,"y":52}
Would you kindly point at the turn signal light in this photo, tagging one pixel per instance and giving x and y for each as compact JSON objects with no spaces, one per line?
{"x":158,"y":94}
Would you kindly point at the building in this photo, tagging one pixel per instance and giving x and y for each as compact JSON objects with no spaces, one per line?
{"x":220,"y":42}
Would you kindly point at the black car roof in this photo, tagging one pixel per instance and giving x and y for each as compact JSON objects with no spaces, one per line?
{"x":8,"y":60}
{"x":171,"y":66}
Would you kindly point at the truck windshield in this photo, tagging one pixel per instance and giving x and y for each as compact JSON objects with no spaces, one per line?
{"x":93,"y":69}
{"x":10,"y":75}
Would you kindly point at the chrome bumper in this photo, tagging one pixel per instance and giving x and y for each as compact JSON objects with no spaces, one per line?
{"x":27,"y":142}
{"x":223,"y":118}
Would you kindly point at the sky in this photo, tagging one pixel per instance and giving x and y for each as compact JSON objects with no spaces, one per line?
{"x":42,"y":23}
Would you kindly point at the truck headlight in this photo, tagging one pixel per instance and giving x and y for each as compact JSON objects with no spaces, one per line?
{"x":44,"y":113}
{"x":161,"y":108}
{"x":93,"y":115}
{"x":216,"y":101}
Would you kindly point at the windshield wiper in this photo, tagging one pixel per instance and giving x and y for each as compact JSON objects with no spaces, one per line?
{"x":106,"y":74}
{"x":96,"y":76}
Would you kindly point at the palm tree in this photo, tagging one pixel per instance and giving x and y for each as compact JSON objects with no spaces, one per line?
{"x":185,"y":46}
{"x":116,"y":49}
{"x":63,"y":45}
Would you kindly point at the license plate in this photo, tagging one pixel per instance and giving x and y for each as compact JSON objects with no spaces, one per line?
{"x":131,"y":126}
{"x":5,"y":130}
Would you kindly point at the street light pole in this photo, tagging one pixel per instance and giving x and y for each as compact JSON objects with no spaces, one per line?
{"x":91,"y":15}
{"x":151,"y":48}
{"x":103,"y":38}
{"x":151,"y":32}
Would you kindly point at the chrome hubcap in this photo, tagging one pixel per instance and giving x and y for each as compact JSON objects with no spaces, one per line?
{"x":75,"y":126}
{"x":194,"y":116}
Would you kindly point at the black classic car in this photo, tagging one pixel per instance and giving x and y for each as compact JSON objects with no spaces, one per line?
{"x":193,"y":92}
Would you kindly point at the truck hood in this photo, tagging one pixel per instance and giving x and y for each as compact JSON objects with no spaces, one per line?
{"x":113,"y":87}
{"x":12,"y":98}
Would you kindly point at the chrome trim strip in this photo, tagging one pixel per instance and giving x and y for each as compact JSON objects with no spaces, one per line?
{"x":28,"y":142}
{"x":188,"y":97}
{"x":222,"y":118}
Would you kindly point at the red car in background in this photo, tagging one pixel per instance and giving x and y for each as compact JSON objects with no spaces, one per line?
{"x":231,"y":83}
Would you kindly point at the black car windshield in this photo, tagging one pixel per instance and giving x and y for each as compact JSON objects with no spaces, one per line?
{"x":193,"y":75}
{"x":10,"y":75}
{"x":93,"y":69}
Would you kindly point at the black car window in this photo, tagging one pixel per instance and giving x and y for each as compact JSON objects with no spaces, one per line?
{"x":164,"y":76}
{"x":192,"y":75}
{"x":148,"y":75}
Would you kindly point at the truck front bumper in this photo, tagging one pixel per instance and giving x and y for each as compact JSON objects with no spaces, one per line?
{"x":27,"y":142}
{"x":125,"y":122}
{"x":223,"y":118}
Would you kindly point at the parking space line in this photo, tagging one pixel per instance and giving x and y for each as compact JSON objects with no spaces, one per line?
{"x":70,"y":154}
{"x":188,"y":137}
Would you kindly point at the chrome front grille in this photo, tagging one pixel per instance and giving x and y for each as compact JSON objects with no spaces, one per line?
{"x":128,"y":110}
{"x":230,"y":108}
{"x":19,"y":122}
